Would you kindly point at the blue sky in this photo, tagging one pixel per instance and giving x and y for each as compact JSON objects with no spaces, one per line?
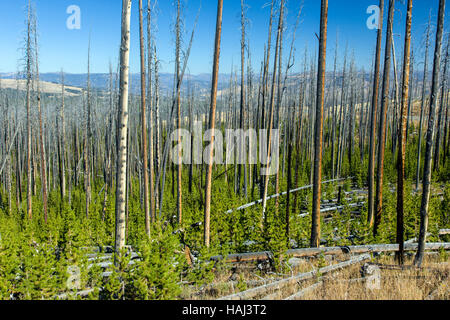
{"x":67,"y":49}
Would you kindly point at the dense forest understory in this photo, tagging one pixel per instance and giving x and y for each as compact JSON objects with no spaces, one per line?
{"x":94,"y":206}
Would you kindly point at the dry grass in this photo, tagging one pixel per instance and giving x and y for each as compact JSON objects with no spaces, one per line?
{"x":430,"y":282}
{"x":408,"y":284}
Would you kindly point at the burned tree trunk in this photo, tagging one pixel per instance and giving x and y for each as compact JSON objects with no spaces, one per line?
{"x":41,"y":135}
{"x":317,"y":179}
{"x":212,"y":121}
{"x":422,"y":106}
{"x":442,"y":106}
{"x":402,"y":135}
{"x":271,"y":113}
{"x":383,"y":112}
{"x":144,"y":121}
{"x":29,"y":62}
{"x":150,"y":110}
{"x":430,"y":137}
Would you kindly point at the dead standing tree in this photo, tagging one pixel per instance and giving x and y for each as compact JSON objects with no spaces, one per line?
{"x":402,"y":135}
{"x":143,"y":120}
{"x":121,"y":164}
{"x":29,"y":64}
{"x":150,"y":108}
{"x":212,"y":120}
{"x":422,"y":106}
{"x":178,"y":104}
{"x":87,"y":138}
{"x":241,"y":154}
{"x":62,"y":143}
{"x":317,"y":178}
{"x":383,"y":113}
{"x":41,"y":131}
{"x":271,"y":113}
{"x":430,"y":137}
{"x":442,"y":106}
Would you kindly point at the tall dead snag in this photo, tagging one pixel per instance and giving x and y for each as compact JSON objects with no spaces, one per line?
{"x":150,"y":105}
{"x":242,"y":103}
{"x":121,"y":164}
{"x":317,"y":178}
{"x":430,"y":137}
{"x":383,"y":113}
{"x":333,"y":130}
{"x":178,"y":102}
{"x":108,"y":145}
{"x":442,"y":106}
{"x":62,"y":143}
{"x":422,"y":106}
{"x":41,"y":130}
{"x":262,"y":121}
{"x":29,"y":62}
{"x":272,"y":102}
{"x":87,"y":137}
{"x":144,"y":121}
{"x":402,"y":135}
{"x":212,"y":120}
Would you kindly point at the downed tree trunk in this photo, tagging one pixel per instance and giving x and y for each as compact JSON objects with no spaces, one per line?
{"x":245,"y":206}
{"x":278,"y":285}
{"x":310,"y":252}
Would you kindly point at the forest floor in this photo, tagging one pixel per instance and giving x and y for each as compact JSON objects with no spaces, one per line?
{"x":381,"y":279}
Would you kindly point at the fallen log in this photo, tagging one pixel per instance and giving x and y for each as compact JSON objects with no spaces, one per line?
{"x":245,"y":206}
{"x":444,"y":232}
{"x":311,"y":252}
{"x":335,"y":208}
{"x":278,"y":285}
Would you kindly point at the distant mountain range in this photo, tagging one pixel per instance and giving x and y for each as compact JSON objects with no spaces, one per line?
{"x":201,"y":82}
{"x":100,"y":81}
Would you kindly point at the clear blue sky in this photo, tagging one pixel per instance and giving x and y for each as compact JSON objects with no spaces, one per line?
{"x":63,"y":48}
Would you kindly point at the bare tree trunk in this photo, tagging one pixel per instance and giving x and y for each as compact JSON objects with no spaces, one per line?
{"x":422,"y":106}
{"x":437,"y":149}
{"x":121,"y":164}
{"x":212,"y":121}
{"x":272,"y":102}
{"x":62,"y":143}
{"x":402,"y":136}
{"x":317,"y":179}
{"x":382,"y":129}
{"x":178,"y":101}
{"x":430,"y":137}
{"x":29,"y":58}
{"x":241,"y":154}
{"x":41,"y":131}
{"x":265,"y":89}
{"x":333,"y":133}
{"x":144,"y":119}
{"x":157,"y":133}
{"x":87,"y":139}
{"x":150,"y":105}
{"x":373,"y":119}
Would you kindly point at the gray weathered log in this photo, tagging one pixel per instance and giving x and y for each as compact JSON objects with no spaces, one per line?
{"x":311,"y":252}
{"x":278,"y":285}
